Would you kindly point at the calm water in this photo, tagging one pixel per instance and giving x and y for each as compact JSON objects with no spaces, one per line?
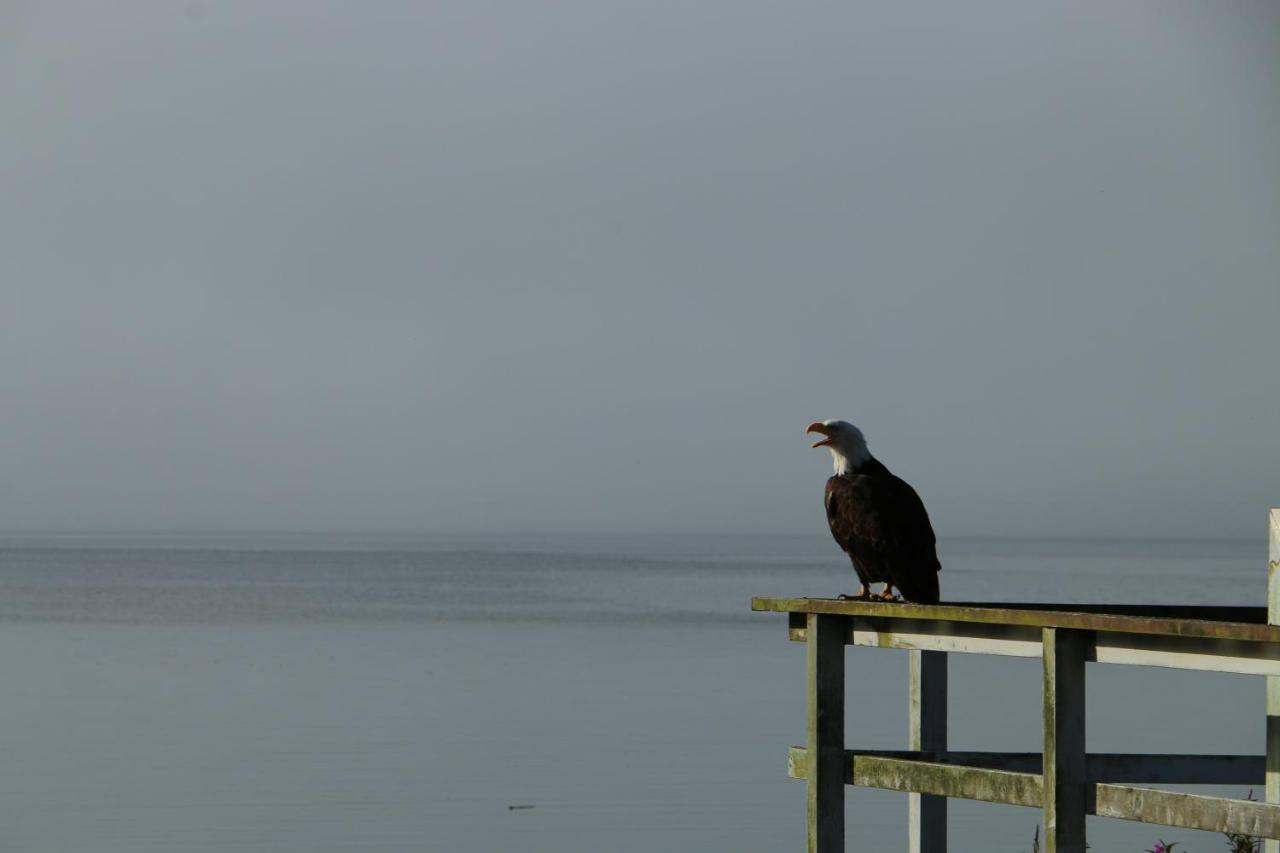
{"x":401,"y":694}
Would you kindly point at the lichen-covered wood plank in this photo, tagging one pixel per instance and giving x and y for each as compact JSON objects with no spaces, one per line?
{"x":824,"y":654}
{"x":933,"y":635}
{"x":1193,"y":653}
{"x":947,"y":780}
{"x":1065,"y":792}
{"x":1112,"y":767}
{"x":938,"y":636}
{"x":956,"y":777}
{"x":927,"y":730}
{"x":1251,"y":625}
{"x":906,"y":771}
{"x":1243,"y":614}
{"x":1173,"y":808}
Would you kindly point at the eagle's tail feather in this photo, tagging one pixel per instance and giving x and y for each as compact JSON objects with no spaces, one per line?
{"x":920,"y":587}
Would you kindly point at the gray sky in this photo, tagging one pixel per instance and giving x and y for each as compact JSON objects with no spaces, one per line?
{"x":591,"y":265}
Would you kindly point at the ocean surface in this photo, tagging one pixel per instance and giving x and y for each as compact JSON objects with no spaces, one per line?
{"x":551,"y":694}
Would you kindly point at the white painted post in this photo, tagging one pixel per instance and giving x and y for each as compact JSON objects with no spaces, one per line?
{"x":1273,"y":682}
{"x":824,"y":653}
{"x":1064,"y":741}
{"x":927,"y":732}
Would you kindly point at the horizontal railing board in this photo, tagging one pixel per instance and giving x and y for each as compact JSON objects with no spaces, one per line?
{"x":1175,"y":652}
{"x":1212,"y":655}
{"x":949,"y":780}
{"x":1107,"y":767}
{"x":934,"y":635}
{"x":1193,"y":811}
{"x":908,"y":772}
{"x":1022,"y":762}
{"x":1247,"y":614}
{"x":871,"y":770}
{"x":1224,"y":623}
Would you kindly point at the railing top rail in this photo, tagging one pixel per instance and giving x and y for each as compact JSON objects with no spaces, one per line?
{"x":1208,"y":622}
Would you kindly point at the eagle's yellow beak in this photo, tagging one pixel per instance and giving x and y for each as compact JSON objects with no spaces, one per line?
{"x":821,"y":428}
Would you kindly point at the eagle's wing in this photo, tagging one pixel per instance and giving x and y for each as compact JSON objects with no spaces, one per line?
{"x":842,"y":502}
{"x":888,"y":531}
{"x":884,"y":510}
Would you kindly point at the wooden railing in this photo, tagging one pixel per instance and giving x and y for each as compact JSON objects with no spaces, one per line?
{"x":1065,"y":780}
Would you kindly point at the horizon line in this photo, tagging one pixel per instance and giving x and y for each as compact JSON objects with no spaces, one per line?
{"x":311,"y":532}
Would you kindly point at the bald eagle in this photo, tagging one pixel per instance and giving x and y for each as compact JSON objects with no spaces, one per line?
{"x":877,"y":519}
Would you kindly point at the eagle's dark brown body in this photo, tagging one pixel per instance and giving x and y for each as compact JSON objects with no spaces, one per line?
{"x":881,"y":523}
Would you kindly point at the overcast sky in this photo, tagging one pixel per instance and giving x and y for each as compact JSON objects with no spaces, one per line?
{"x":466,"y":265}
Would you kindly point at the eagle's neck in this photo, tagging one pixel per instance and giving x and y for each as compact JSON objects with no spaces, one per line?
{"x":847,"y":460}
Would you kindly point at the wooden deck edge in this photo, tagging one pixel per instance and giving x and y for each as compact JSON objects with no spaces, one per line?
{"x":1190,"y":622}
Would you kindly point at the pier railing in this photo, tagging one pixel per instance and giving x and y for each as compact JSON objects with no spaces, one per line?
{"x":1065,"y":780}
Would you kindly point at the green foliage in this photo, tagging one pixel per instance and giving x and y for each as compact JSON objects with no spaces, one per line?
{"x":1238,"y":842}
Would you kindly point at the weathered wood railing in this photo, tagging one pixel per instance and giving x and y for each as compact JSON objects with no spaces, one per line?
{"x":1065,"y":780}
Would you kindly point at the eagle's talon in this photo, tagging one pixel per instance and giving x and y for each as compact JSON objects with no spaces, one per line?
{"x":863,"y":594}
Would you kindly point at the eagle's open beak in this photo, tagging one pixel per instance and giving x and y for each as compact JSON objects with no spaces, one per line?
{"x":819,"y":427}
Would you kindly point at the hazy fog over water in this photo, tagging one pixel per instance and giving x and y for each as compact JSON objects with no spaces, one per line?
{"x":592,"y":266}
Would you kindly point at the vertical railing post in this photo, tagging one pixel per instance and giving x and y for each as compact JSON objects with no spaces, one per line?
{"x":927,"y":732}
{"x":1064,"y":747}
{"x":1273,"y":682}
{"x":825,"y":637}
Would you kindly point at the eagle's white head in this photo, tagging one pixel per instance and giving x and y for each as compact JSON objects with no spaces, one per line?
{"x":845,"y":441}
